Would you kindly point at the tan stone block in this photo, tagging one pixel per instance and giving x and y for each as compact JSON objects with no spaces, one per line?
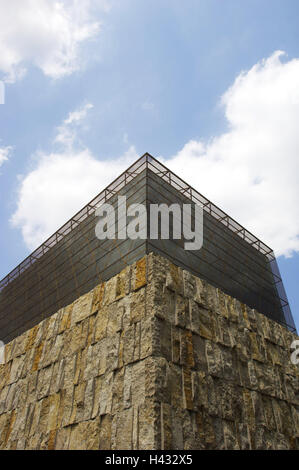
{"x":222,"y":333}
{"x":7,"y":353}
{"x":127,"y":350}
{"x":222,"y":304}
{"x":65,"y":319}
{"x":106,"y":393}
{"x":137,"y":306}
{"x":37,"y":356}
{"x":101,"y":324}
{"x":247,"y":318}
{"x":62,"y":438}
{"x":110,"y":291}
{"x":148,"y":337}
{"x":188,"y":338}
{"x":16,"y":368}
{"x":175,"y":344}
{"x":101,"y":354}
{"x":181,"y":311}
{"x":166,"y":427}
{"x":127,"y":387}
{"x":256,"y":347}
{"x":214,"y":359}
{"x":174,"y":279}
{"x":67,"y":395}
{"x":139,"y":277}
{"x":187,"y":389}
{"x":44,"y":415}
{"x":118,"y":391}
{"x":52,"y":326}
{"x":82,"y":308}
{"x":98,"y":295}
{"x":266,"y":377}
{"x":52,"y":439}
{"x":96,"y":400}
{"x":32,"y":379}
{"x":85,"y":364}
{"x":157,"y":268}
{"x":113,"y":352}
{"x":53,"y":412}
{"x":44,"y":382}
{"x":35,"y":418}
{"x":3,"y":397}
{"x":123,"y":281}
{"x":78,"y":403}
{"x":189,"y":430}
{"x":31,"y":337}
{"x":91,"y":329}
{"x":85,"y":435}
{"x":4,"y":425}
{"x":19,"y":347}
{"x":57,"y":377}
{"x":121,"y":432}
{"x":135,"y":431}
{"x":75,"y":338}
{"x":295,"y":418}
{"x":115,"y":319}
{"x":207,"y":327}
{"x":105,"y":432}
{"x":137,"y":341}
{"x":28,"y":362}
{"x":268,"y":413}
{"x":259,"y":411}
{"x":232,"y":310}
{"x":13,"y":391}
{"x":244,"y":436}
{"x":88,"y":400}
{"x":52,"y":350}
{"x":10,"y":425}
{"x":230,"y":436}
{"x":20,"y":422}
{"x":177,"y":428}
{"x":68,"y":371}
{"x":214,"y":403}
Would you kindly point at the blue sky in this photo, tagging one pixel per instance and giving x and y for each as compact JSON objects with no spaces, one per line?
{"x":199,"y":84}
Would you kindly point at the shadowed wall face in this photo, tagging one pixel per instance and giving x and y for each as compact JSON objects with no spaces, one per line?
{"x":154,"y":358}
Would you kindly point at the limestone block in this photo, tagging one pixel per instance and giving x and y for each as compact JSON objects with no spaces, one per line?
{"x":85,"y":435}
{"x":139,"y":274}
{"x":82,"y":308}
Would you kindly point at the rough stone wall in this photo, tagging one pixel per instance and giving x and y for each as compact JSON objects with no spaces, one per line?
{"x":154,"y":358}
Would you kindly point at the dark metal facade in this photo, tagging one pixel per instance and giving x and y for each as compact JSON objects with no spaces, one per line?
{"x":73,"y":260}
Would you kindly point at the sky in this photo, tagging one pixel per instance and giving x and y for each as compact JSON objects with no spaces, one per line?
{"x":209,"y":87}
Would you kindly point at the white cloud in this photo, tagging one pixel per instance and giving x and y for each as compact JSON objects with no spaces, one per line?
{"x":252,"y":170}
{"x":62,"y":182}
{"x":4,"y":154}
{"x":45,"y":33}
{"x":66,"y":133}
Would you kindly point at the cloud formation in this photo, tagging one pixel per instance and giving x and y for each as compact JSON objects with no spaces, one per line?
{"x":251,"y":171}
{"x":62,"y":182}
{"x":5,"y":153}
{"x":45,"y":33}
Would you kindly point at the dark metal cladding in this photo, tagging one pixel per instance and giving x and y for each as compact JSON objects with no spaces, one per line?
{"x":73,"y":260}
